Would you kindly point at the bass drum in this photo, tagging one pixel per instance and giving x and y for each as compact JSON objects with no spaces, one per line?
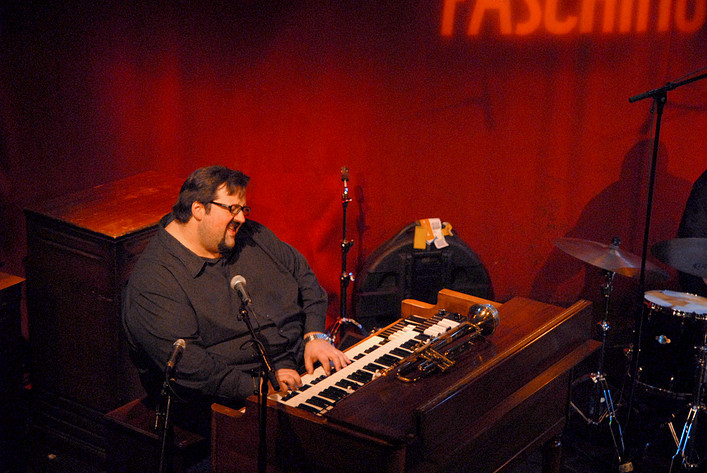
{"x":396,"y":271}
{"x":675,"y":325}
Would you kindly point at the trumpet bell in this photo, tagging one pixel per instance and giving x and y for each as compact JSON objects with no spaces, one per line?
{"x":484,"y":317}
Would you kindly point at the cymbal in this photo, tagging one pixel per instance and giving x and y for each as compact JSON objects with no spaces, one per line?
{"x":688,"y":255}
{"x":608,"y":257}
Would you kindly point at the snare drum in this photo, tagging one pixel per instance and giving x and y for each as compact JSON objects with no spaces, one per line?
{"x":675,"y":324}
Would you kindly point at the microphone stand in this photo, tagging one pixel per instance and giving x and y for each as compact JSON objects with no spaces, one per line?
{"x":164,"y":427}
{"x":267,"y":373}
{"x":335,"y":331}
{"x":660,"y":97}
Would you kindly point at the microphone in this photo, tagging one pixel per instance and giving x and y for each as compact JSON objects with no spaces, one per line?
{"x":177,"y":348}
{"x":238,"y":284}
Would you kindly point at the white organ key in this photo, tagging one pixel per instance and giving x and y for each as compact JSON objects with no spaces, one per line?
{"x":435,"y":330}
{"x":448,"y":323}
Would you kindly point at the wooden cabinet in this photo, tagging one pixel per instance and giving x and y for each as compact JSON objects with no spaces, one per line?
{"x":10,"y":337}
{"x":12,"y":416}
{"x":81,"y":249}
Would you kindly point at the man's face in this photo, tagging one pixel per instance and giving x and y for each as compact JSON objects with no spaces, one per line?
{"x":219,"y":227}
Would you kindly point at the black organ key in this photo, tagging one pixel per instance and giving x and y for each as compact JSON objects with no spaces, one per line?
{"x":333,"y":393}
{"x":401,"y":352}
{"x":308,"y":408}
{"x":415,"y":320}
{"x":373,"y":367}
{"x":387,"y":360}
{"x":361,"y":376}
{"x":318,"y":401}
{"x":348,"y":384}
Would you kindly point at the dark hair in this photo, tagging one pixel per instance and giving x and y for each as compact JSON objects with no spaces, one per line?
{"x":201,"y":186}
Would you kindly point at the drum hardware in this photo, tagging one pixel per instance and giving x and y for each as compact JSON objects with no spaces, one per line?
{"x":688,"y":453}
{"x":343,"y":324}
{"x":440,"y":353}
{"x":675,"y":333}
{"x":612,"y":260}
{"x":688,"y":255}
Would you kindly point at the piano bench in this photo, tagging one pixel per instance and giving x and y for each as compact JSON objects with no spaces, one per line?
{"x":133,"y":446}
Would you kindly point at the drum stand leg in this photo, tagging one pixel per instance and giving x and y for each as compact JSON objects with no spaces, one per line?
{"x":687,"y":452}
{"x":599,"y":378}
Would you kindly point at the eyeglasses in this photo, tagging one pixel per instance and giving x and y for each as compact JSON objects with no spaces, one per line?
{"x":235,"y":209}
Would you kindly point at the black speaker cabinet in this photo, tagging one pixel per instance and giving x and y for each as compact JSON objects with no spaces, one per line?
{"x":396,"y":271}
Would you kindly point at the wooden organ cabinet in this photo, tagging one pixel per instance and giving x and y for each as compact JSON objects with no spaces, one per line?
{"x":81,"y":249}
{"x":505,"y":396}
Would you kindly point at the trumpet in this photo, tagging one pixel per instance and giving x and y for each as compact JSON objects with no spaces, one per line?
{"x":439,"y":353}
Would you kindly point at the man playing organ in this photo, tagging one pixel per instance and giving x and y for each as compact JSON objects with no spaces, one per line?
{"x":180,"y":289}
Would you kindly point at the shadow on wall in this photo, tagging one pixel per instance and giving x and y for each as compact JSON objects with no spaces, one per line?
{"x":618,"y":211}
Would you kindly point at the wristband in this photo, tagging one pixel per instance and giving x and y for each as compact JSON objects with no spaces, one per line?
{"x":317,"y":336}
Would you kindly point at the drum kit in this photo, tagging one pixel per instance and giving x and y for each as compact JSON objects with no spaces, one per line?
{"x":672,"y":345}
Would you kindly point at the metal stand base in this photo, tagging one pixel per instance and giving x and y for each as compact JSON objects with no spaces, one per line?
{"x":602,"y":393}
{"x":688,"y":455}
{"x":603,"y":410}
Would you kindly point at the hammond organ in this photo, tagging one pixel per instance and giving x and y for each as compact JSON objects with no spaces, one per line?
{"x":506,"y":395}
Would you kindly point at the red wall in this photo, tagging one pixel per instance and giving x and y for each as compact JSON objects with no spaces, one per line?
{"x":517,"y":134}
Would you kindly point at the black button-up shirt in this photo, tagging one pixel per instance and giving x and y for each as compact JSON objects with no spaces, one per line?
{"x":173,"y":293}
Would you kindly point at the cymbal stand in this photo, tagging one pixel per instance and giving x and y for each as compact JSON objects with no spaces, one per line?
{"x":687,"y":451}
{"x":342,"y":323}
{"x":597,"y":416}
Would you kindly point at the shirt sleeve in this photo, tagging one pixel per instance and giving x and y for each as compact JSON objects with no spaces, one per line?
{"x":156,"y":313}
{"x":312,"y":297}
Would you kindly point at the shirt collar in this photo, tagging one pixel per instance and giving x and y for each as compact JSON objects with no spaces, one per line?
{"x":194,"y":263}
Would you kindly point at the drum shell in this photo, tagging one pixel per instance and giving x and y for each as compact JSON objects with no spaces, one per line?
{"x":668,"y":357}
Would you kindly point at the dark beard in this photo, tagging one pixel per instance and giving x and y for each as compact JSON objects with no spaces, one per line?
{"x":224,"y":250}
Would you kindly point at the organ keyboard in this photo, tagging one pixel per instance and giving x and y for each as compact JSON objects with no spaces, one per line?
{"x":508,"y":395}
{"x":370,"y":358}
